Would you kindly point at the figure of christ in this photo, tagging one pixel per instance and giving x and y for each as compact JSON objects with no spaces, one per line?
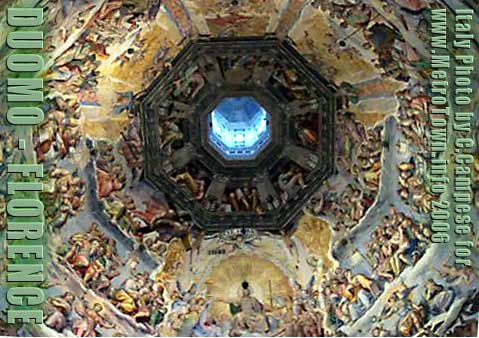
{"x":251,"y":317}
{"x":248,"y":313}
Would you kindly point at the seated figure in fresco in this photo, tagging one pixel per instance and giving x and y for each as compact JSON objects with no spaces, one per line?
{"x":438,"y":297}
{"x":248,"y":314}
{"x":91,"y":318}
{"x":169,"y":133}
{"x":289,"y":182}
{"x":413,"y":321}
{"x":57,"y":312}
{"x":196,"y":185}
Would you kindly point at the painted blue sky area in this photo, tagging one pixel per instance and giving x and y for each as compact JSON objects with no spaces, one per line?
{"x":239,"y":127}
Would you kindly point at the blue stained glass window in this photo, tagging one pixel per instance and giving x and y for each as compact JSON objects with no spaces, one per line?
{"x":239,"y":128}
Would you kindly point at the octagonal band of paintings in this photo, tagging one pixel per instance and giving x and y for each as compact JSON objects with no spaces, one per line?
{"x":239,"y":132}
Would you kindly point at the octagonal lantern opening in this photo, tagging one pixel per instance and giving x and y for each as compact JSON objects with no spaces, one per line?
{"x":239,"y":128}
